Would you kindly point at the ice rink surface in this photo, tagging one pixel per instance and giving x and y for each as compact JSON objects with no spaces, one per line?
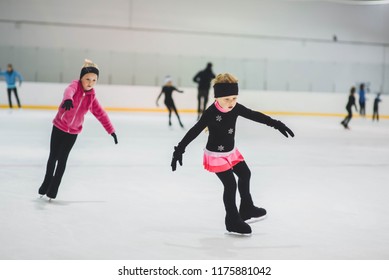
{"x":326,"y":191}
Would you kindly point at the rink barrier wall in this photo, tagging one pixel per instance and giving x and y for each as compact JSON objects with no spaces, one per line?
{"x":122,"y":98}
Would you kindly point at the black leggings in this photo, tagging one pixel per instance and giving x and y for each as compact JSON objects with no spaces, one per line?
{"x":348,"y":118}
{"x":375,"y":114}
{"x":60,"y":146}
{"x":229,"y":196}
{"x":172,"y":107}
{"x":9,"y":90}
{"x":202,"y":95}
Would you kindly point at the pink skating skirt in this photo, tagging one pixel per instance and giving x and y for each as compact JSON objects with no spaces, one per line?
{"x":221,"y":161}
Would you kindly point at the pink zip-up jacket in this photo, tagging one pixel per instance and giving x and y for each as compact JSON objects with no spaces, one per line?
{"x":71,"y":121}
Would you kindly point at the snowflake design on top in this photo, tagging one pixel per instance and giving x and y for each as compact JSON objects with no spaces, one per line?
{"x":218,"y":118}
{"x":230,"y":131}
{"x":220,"y":148}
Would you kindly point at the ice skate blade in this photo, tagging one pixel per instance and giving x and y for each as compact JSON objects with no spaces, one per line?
{"x":232,"y":233}
{"x":49,"y":199}
{"x":254,"y":220}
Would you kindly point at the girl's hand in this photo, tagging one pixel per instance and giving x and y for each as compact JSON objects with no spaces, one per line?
{"x":67,"y":104}
{"x":115,"y":139}
{"x":177,"y":156}
{"x":286,"y":131}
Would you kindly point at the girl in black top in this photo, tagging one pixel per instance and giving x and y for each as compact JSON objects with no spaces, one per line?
{"x":168,"y":89}
{"x":350,"y":104}
{"x":221,"y":155}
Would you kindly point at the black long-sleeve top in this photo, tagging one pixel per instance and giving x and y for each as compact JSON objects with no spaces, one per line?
{"x":351,"y":102}
{"x":221,"y":127}
{"x":168,"y":90}
{"x":204,"y":78}
{"x":377,"y":100}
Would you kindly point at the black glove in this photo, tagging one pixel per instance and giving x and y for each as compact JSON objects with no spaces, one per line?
{"x":67,"y":104}
{"x":177,"y":156}
{"x":283,"y":129}
{"x":114,"y":137}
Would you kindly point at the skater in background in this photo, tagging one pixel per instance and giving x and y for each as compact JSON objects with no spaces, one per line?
{"x":203,"y":79}
{"x":10,"y":78}
{"x":79,"y":98}
{"x":168,"y":89}
{"x":377,"y":100}
{"x":350,"y":104}
{"x":222,"y":157}
{"x":362,"y":100}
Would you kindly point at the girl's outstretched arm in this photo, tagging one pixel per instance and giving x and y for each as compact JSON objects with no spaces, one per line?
{"x":189,"y":137}
{"x":102,"y":116}
{"x":178,"y":90}
{"x":159,"y":96}
{"x":265,"y":119}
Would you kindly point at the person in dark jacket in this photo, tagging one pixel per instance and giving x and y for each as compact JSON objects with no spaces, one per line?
{"x":350,"y":104}
{"x":377,"y":100}
{"x":203,"y":78}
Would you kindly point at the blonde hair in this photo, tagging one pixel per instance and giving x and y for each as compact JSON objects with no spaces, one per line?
{"x":225,"y":78}
{"x":89,"y":63}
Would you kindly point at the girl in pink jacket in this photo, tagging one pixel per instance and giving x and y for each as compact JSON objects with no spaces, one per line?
{"x":79,"y":98}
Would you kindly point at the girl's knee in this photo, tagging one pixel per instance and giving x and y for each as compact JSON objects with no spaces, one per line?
{"x":242,"y":170}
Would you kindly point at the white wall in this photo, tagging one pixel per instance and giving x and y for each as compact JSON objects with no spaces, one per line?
{"x":270,"y":45}
{"x":144,"y":98}
{"x":274,"y":18}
